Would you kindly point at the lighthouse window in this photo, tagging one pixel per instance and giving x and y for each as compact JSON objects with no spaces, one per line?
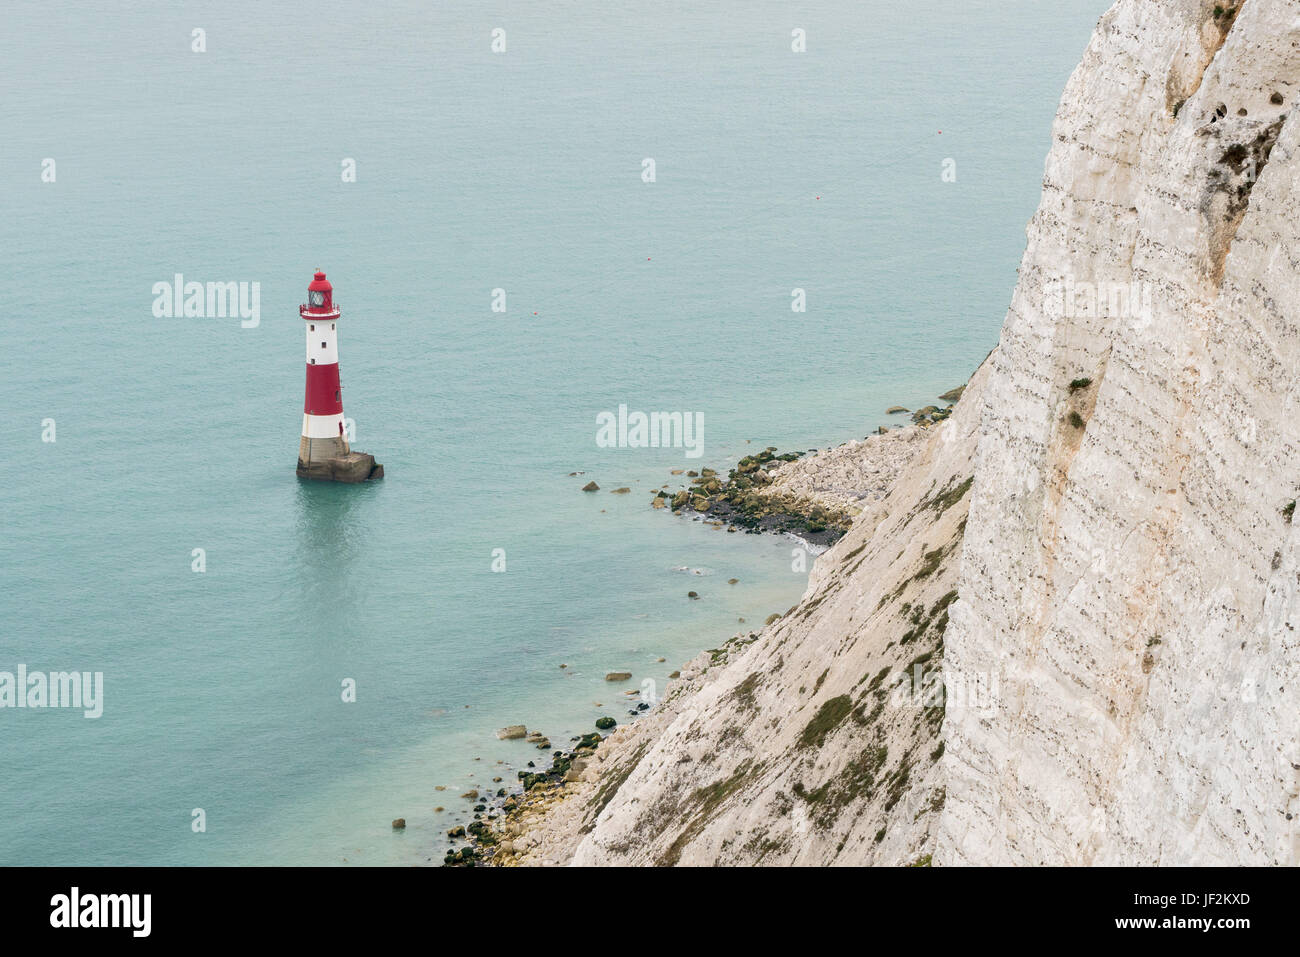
{"x":331,"y":325}
{"x":313,"y":327}
{"x":322,"y":345}
{"x":318,"y":298}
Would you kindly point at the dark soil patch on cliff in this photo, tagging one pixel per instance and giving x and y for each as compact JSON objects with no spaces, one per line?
{"x":828,"y":718}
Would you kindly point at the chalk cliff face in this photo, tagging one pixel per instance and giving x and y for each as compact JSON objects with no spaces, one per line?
{"x":1131,"y":578}
{"x":1094,"y":551}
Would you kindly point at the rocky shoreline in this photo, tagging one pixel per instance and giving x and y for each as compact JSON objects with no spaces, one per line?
{"x":541,"y":820}
{"x":502,"y":816}
{"x":814,"y":495}
{"x":746,"y":501}
{"x":489,"y":837}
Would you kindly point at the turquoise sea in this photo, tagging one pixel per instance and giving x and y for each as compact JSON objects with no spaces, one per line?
{"x":519,"y":170}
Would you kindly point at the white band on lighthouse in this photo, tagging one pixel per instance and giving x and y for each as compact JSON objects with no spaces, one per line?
{"x":322,"y":343}
{"x":322,"y":426}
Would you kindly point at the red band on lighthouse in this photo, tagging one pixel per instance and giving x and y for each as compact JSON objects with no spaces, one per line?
{"x":324,"y":395}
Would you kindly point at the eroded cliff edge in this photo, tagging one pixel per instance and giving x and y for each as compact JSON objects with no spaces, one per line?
{"x":1095,"y":551}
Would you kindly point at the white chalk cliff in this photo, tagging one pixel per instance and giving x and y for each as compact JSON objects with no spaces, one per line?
{"x":1113,"y":601}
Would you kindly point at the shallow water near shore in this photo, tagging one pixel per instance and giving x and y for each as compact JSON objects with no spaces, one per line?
{"x":522,"y":171}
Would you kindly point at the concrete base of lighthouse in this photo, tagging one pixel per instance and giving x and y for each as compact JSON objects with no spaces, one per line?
{"x":330,"y":460}
{"x":353,"y":467}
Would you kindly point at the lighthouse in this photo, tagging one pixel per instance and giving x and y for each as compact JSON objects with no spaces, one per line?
{"x":324,"y":452}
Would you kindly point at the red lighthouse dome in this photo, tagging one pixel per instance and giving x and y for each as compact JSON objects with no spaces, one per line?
{"x":320,"y":294}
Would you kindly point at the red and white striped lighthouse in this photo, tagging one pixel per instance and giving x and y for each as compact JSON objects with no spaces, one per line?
{"x":324,"y":452}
